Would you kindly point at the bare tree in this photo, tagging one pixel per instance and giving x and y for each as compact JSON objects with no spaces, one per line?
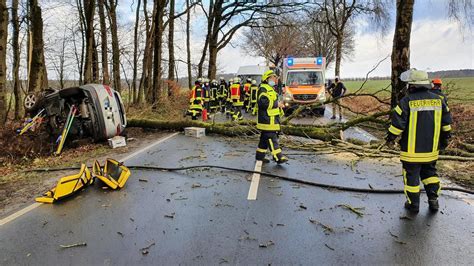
{"x":171,"y":59}
{"x":89,"y":10}
{"x":273,"y":40}
{"x":338,"y":14}
{"x":226,"y":18}
{"x":188,"y":43}
{"x":111,"y":7}
{"x":135,"y":52}
{"x":103,"y":42}
{"x":38,"y":78}
{"x":401,"y":47}
{"x":3,"y":59}
{"x":459,"y":10}
{"x":16,"y":57}
{"x":157,"y":90}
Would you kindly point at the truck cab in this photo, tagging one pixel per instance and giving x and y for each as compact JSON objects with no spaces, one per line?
{"x":254,"y":72}
{"x":303,"y":82}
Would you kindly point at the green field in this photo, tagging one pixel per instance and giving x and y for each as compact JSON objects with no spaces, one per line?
{"x":459,"y":90}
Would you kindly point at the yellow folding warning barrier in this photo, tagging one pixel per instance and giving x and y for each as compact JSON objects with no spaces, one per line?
{"x":114,"y":174}
{"x":68,"y":185}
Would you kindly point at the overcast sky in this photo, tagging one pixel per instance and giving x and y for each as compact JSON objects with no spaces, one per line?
{"x":437,"y":43}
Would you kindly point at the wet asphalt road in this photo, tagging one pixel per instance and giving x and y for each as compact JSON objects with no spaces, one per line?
{"x":203,"y":216}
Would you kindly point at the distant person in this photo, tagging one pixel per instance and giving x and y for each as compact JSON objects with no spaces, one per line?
{"x":436,"y":89}
{"x":423,"y":121}
{"x":337,"y":90}
{"x":268,"y":119}
{"x":222,"y":94}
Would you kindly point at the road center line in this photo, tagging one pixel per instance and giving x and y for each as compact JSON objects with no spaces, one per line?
{"x":255,"y":181}
{"x":35,"y":205}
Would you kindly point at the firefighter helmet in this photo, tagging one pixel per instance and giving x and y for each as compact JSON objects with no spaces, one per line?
{"x":415,"y":77}
{"x":254,"y":82}
{"x":267,"y":74}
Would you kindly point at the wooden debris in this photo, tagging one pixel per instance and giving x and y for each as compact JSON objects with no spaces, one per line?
{"x":326,"y":228}
{"x":406,"y":218}
{"x":120,"y":233}
{"x":196,"y":185}
{"x":171,"y":216}
{"x":83,"y":244}
{"x":356,"y":210}
{"x":266,"y":245}
{"x":142,"y":180}
{"x":145,"y":249}
{"x":329,"y":247}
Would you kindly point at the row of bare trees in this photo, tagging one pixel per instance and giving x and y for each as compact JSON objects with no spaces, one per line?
{"x":93,"y":40}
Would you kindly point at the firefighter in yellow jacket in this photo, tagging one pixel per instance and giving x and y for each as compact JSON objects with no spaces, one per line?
{"x":268,"y":120}
{"x":423,"y":121}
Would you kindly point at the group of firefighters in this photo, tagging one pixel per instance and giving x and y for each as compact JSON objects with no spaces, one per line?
{"x":226,"y":97}
{"x":422,"y":120}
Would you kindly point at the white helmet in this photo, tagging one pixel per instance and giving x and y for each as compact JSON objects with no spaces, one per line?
{"x":254,"y":82}
{"x":231,"y":80}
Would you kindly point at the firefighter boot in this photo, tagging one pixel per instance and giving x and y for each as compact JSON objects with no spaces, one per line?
{"x":433,"y":205}
{"x":282,"y":159}
{"x":413,"y":202}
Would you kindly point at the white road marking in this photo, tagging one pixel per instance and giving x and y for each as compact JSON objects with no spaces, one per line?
{"x":19,"y":213}
{"x":255,"y":180}
{"x":149,"y":147}
{"x":36,"y":204}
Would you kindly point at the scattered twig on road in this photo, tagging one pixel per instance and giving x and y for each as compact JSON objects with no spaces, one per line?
{"x":83,"y":244}
{"x":393,"y":235}
{"x":171,"y":216}
{"x":145,"y":249}
{"x":266,"y":245}
{"x":120,"y":233}
{"x":406,"y":218}
{"x":329,"y":247}
{"x":356,"y":210}
{"x":142,"y":180}
{"x":326,"y":228}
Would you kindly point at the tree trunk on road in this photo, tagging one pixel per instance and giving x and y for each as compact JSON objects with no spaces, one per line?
{"x":401,"y":48}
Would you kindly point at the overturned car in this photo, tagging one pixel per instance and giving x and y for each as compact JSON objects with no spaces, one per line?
{"x":89,"y":111}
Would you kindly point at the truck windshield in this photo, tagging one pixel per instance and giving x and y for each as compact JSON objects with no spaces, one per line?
{"x":296,"y":78}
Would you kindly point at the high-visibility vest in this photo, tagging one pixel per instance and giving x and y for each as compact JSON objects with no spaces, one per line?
{"x":196,"y":93}
{"x":269,"y":113}
{"x":247,"y":87}
{"x":253,"y":93}
{"x":235,"y":91}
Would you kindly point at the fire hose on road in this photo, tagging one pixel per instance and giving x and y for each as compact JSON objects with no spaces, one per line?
{"x":286,"y":178}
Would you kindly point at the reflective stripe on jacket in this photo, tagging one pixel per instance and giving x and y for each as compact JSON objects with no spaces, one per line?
{"x":420,"y":118}
{"x":268,"y":111}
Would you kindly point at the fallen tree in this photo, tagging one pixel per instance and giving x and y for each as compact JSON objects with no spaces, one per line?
{"x":244,"y":128}
{"x":329,"y":134}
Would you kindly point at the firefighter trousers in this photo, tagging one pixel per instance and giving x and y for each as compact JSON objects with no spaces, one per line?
{"x":268,"y":140}
{"x":412,"y":173}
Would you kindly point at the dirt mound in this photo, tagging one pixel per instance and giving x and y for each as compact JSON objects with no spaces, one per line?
{"x":15,"y":148}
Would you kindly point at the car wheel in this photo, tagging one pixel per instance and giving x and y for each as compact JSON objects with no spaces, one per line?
{"x":31,"y":102}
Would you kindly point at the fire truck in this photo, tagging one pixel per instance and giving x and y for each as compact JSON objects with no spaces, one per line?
{"x":303,"y":83}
